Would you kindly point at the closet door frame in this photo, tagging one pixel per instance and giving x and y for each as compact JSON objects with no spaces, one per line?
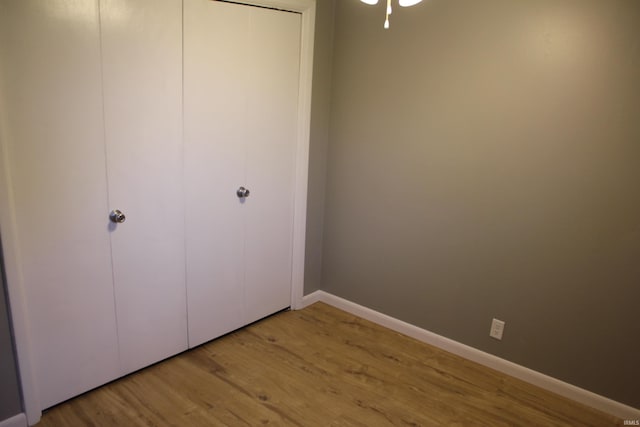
{"x":15,"y":287}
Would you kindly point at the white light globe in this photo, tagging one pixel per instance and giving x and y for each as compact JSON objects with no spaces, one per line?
{"x":407,"y":3}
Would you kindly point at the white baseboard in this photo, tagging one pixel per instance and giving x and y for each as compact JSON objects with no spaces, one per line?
{"x":19,"y":420}
{"x":533,"y":377}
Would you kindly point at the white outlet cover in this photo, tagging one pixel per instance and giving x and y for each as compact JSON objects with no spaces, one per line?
{"x":497,"y":328}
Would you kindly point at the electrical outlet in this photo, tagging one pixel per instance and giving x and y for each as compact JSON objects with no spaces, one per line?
{"x":497,"y":328}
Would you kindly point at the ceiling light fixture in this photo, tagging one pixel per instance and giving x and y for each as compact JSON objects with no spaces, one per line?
{"x":403,"y":3}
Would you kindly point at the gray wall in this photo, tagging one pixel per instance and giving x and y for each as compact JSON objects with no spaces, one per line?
{"x":320,"y":105}
{"x":9,"y":391}
{"x":484,"y":161}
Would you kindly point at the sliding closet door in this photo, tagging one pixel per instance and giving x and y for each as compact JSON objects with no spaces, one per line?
{"x":241,"y":98}
{"x":271,"y":121}
{"x":215,"y":134}
{"x":52,"y":129}
{"x":142,"y":72}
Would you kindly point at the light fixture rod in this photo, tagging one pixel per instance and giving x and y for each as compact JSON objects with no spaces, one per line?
{"x":386,"y":19}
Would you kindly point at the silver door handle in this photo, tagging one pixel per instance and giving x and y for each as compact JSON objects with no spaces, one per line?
{"x":242,"y":192}
{"x":117,"y":216}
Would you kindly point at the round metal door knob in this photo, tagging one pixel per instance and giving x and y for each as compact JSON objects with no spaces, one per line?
{"x":117,"y":216}
{"x":242,"y":192}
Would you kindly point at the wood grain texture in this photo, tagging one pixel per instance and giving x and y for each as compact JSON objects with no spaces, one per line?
{"x":320,"y":367}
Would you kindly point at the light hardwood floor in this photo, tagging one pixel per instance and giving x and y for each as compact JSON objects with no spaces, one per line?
{"x":319,"y":367}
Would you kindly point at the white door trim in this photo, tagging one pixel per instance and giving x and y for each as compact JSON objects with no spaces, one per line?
{"x":307,"y":8}
{"x":15,"y":287}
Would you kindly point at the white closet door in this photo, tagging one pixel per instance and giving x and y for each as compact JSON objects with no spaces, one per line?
{"x":241,"y":93}
{"x":215,"y":134}
{"x":52,"y":128}
{"x":271,"y":120}
{"x":142,"y":72}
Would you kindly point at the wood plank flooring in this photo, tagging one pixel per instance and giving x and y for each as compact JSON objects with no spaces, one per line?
{"x":319,"y":367}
